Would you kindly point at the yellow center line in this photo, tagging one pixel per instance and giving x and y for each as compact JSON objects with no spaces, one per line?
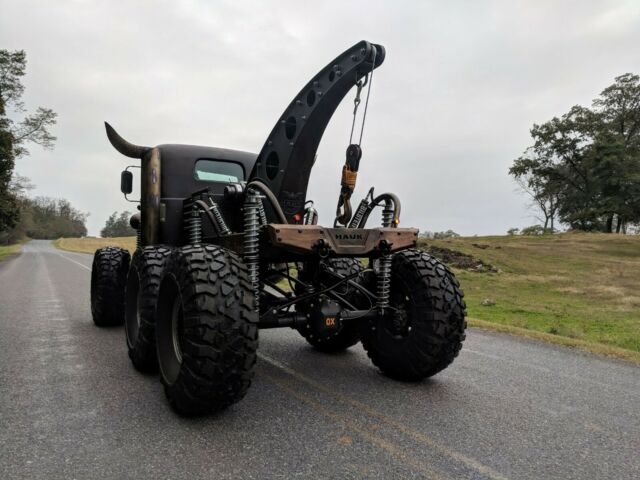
{"x":389,"y":421}
{"x":389,"y":447}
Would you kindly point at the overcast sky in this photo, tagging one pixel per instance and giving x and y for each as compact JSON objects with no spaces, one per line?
{"x":451,"y":106}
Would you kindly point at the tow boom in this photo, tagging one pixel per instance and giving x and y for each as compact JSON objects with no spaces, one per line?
{"x":286,"y":159}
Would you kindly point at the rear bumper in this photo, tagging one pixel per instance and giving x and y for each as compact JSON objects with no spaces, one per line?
{"x":344,"y":242}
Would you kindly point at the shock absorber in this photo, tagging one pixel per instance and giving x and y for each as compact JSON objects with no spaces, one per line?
{"x":215,"y":210}
{"x":252,"y":203}
{"x":384,"y":264}
{"x":138,"y":238}
{"x":310,"y":214}
{"x":193,"y":226}
{"x":363,"y":207}
{"x":357,"y":217}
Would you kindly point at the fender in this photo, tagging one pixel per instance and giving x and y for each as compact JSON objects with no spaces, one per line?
{"x":286,"y":159}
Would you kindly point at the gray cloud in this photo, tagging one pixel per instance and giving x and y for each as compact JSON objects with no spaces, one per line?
{"x":451,"y":106}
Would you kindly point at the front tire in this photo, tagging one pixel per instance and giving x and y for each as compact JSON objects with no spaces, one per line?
{"x":108,"y":280}
{"x":424,"y":329}
{"x":206,"y":331}
{"x":141,"y":298}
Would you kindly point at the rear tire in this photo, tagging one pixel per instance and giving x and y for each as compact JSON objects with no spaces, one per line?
{"x":206,"y":331}
{"x":349,"y":334}
{"x":425,"y":332}
{"x":141,"y":297}
{"x":108,"y":279}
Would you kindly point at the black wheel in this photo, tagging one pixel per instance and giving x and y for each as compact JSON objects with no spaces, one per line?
{"x":108,"y":279}
{"x":141,"y":297}
{"x":424,"y":328}
{"x":206,"y":330}
{"x":349,"y":334}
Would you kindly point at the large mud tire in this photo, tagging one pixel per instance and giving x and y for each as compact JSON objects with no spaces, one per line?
{"x":108,"y":280}
{"x":206,"y":331}
{"x":349,"y":334}
{"x":425,"y":332}
{"x":141,"y":298}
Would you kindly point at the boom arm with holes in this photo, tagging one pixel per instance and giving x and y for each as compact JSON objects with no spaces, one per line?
{"x":285,"y":161}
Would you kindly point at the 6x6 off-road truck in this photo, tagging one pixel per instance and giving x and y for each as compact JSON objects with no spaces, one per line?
{"x":228,"y":244}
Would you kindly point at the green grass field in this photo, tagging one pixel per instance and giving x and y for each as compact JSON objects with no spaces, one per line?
{"x":581,"y":290}
{"x":578,"y":286}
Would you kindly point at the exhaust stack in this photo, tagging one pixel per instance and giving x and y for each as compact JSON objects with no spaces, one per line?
{"x":125,"y":148}
{"x":151,"y":184}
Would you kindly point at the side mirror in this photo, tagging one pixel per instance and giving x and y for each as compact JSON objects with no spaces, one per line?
{"x":126,"y":182}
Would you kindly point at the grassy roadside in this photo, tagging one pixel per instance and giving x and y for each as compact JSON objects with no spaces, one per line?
{"x":6,"y":250}
{"x":91,"y":244}
{"x":597,"y":348}
{"x":581,"y":290}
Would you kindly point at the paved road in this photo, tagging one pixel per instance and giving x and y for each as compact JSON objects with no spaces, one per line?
{"x":71,"y":405}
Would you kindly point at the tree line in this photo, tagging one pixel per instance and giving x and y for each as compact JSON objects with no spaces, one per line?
{"x":42,"y":217}
{"x":117,"y":225}
{"x":583,"y":168}
{"x":21,"y":216}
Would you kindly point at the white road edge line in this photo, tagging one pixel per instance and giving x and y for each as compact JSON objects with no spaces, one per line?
{"x":576,"y":378}
{"x":77,"y":263}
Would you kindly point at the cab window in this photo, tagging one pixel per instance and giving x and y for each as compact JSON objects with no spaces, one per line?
{"x":218,"y":171}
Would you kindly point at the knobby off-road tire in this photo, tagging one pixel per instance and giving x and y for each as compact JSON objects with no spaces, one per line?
{"x":206,"y":331}
{"x":349,"y":334}
{"x":141,"y":298}
{"x":425,"y":332}
{"x":108,"y":280}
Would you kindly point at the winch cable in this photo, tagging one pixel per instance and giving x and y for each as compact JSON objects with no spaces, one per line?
{"x":354,"y":151}
{"x":368,"y":82}
{"x":366,"y":102}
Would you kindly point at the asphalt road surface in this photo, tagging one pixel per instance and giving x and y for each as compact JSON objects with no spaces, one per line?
{"x":72,"y":406}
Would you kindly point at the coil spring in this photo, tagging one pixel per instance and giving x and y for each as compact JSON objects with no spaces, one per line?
{"x":384,"y":265}
{"x":224,"y":230}
{"x":357,"y":217}
{"x":251,"y":253}
{"x":384,"y":281}
{"x":261,"y":213}
{"x":194,"y":227}
{"x":138,"y":238}
{"x":387,"y":216}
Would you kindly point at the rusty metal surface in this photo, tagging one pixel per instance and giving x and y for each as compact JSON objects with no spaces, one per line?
{"x":150,"y":198}
{"x":341,"y":241}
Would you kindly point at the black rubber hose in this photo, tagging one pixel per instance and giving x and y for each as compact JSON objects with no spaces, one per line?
{"x":375,"y":202}
{"x":258,"y":185}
